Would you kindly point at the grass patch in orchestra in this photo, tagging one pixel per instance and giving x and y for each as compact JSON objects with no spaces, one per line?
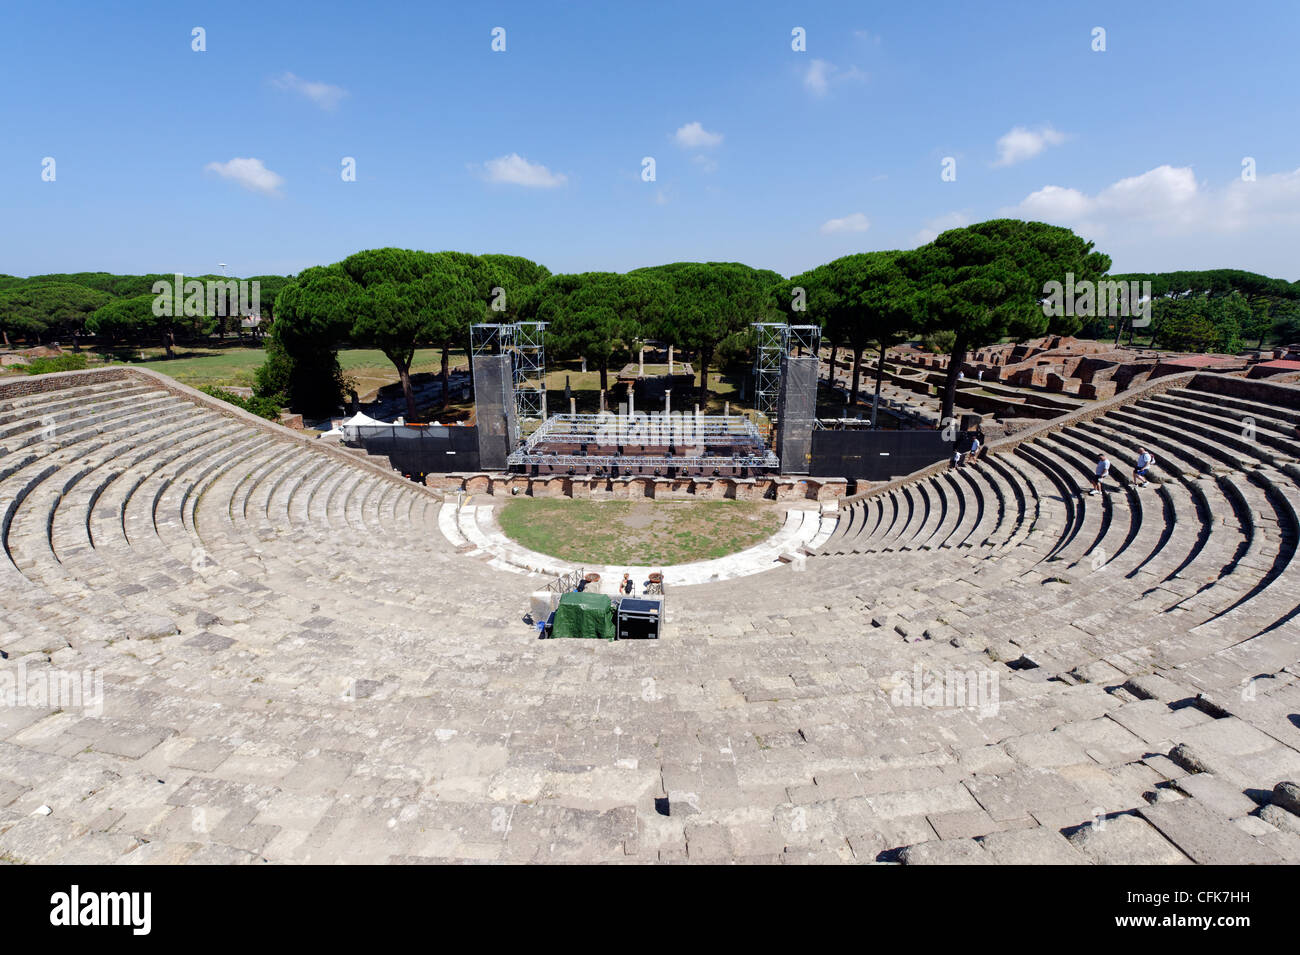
{"x":643,"y":533}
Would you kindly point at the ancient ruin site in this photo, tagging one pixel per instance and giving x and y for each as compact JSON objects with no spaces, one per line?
{"x":681,"y":434}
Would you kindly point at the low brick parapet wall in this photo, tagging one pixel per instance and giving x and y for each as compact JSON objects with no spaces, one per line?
{"x":787,"y":488}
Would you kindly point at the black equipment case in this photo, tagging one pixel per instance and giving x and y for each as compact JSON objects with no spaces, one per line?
{"x":639,"y":618}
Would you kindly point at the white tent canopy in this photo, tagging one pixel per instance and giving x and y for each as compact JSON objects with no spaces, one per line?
{"x":358,"y":420}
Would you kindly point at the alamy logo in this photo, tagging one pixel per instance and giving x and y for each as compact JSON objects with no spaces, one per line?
{"x":215,"y":298}
{"x":78,"y":691}
{"x":1089,"y":299}
{"x":134,"y":909}
{"x":971,"y":689}
{"x":658,"y":427}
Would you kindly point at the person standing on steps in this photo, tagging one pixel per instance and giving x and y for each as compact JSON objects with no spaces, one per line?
{"x":1103,"y":468}
{"x":1144,"y":461}
{"x":960,"y":448}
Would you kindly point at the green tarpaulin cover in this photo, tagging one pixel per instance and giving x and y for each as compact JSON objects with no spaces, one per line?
{"x":584,"y":615}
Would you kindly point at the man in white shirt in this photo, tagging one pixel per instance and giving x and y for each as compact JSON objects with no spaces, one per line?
{"x":1103,"y":468}
{"x":1144,"y":461}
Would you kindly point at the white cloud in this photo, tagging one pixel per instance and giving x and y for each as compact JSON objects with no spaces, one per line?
{"x":1271,"y":199}
{"x":1169,"y":201}
{"x":1165,"y":198}
{"x":1022,"y":143}
{"x":324,"y":95}
{"x":819,"y":76}
{"x":817,"y":79}
{"x":856,"y":222}
{"x":252,"y":174}
{"x":1159,"y":193}
{"x":932,"y":227}
{"x":1165,"y":219}
{"x":1056,"y":203}
{"x":695,"y":136}
{"x":519,"y":171}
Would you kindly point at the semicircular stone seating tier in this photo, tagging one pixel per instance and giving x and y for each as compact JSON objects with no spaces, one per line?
{"x":473,"y":530}
{"x":285,"y":658}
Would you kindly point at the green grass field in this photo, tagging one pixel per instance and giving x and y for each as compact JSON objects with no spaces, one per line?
{"x":233,"y":365}
{"x":201,"y":366}
{"x":637,"y":532}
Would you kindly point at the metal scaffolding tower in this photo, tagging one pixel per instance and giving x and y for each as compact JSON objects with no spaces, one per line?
{"x":525,"y":342}
{"x":530,"y":372}
{"x":767,"y":366}
{"x":776,"y":339}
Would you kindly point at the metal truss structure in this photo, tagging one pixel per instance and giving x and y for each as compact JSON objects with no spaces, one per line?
{"x":673,"y":441}
{"x":526,"y":344}
{"x":530,"y":372}
{"x":801,"y":338}
{"x":767,"y":366}
{"x":775,"y":340}
{"x":486,"y":339}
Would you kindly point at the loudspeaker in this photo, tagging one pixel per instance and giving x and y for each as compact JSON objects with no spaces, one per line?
{"x":796,"y":413}
{"x":494,"y":410}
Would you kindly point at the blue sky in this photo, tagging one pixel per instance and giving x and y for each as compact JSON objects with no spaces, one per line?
{"x":167,"y":159}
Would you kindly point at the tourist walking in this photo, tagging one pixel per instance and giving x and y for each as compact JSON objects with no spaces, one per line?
{"x":1103,"y":468}
{"x":960,"y":448}
{"x":1141,"y":472}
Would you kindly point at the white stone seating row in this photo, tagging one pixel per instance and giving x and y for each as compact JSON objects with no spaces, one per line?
{"x":1159,"y":537}
{"x":369,"y":694}
{"x":94,"y":483}
{"x":30,"y":512}
{"x":1267,"y":547}
{"x":471,"y":528}
{"x":18,"y":429}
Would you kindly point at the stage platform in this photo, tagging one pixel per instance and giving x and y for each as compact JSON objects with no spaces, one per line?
{"x":664,"y":445}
